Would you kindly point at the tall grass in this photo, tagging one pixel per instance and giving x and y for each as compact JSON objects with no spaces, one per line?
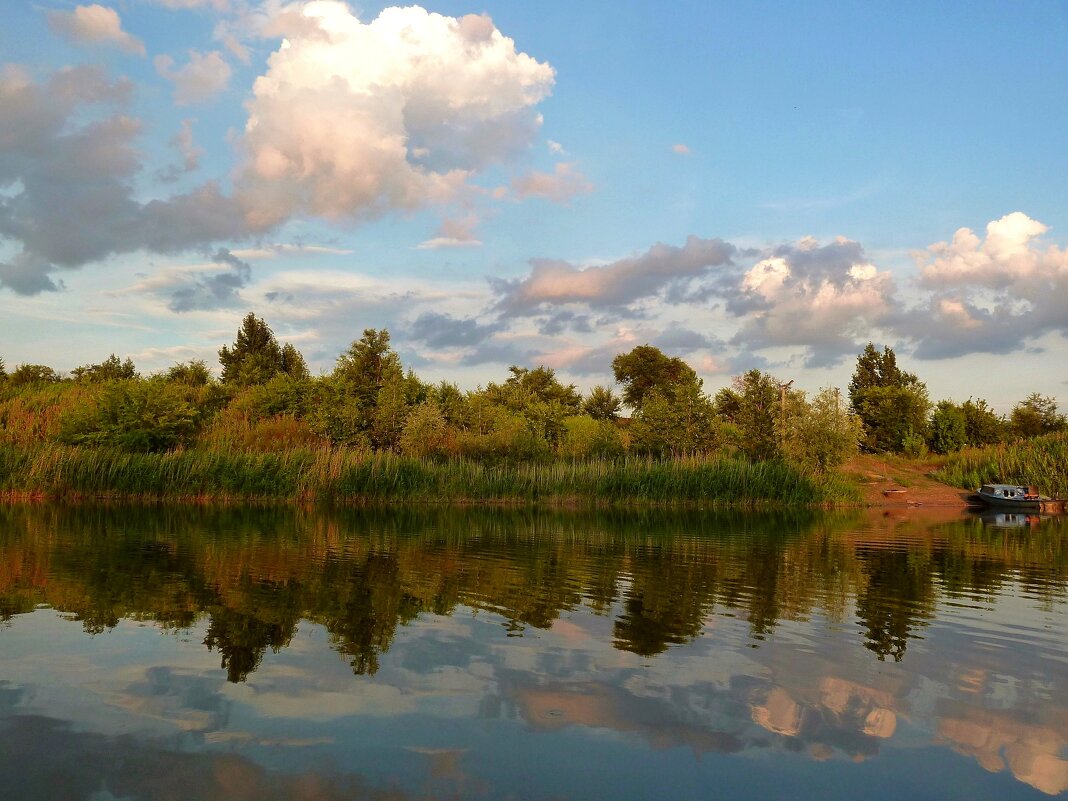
{"x":352,"y":476}
{"x":1042,"y":462}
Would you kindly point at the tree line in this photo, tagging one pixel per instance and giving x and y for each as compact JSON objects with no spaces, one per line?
{"x":267,"y":399}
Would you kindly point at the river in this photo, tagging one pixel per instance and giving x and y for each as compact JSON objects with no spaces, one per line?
{"x":164,"y":653}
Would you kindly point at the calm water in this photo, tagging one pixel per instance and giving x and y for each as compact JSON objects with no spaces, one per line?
{"x":170,"y":654}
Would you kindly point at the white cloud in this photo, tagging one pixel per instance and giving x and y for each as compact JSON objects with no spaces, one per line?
{"x":94,"y":25}
{"x":559,"y":186}
{"x":992,"y":294}
{"x":680,"y":149}
{"x":556,"y":148}
{"x":203,"y":77}
{"x":353,"y":119}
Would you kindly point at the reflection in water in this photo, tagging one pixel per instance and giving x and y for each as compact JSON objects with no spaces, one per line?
{"x":828,"y":635}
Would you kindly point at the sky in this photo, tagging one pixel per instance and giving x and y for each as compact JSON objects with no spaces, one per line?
{"x":746,"y":185}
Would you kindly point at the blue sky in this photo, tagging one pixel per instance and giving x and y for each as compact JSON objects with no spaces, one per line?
{"x":744,"y":185}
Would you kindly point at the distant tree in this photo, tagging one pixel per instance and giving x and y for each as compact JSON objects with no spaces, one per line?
{"x":758,"y":414}
{"x":526,"y":387}
{"x":111,"y":369}
{"x":602,"y":404}
{"x":256,"y":357}
{"x":728,"y":404}
{"x":645,"y":369}
{"x":425,"y":431}
{"x":1036,"y":415}
{"x":819,"y":434}
{"x":193,"y":373}
{"x":948,"y":428}
{"x":26,"y":374}
{"x":586,"y":437}
{"x":891,"y":403}
{"x":679,"y":421}
{"x":293,"y":364}
{"x":346,"y":406}
{"x":981,"y":425}
{"x":3,"y":372}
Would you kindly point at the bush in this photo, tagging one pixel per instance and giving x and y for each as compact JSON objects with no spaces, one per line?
{"x":135,"y":415}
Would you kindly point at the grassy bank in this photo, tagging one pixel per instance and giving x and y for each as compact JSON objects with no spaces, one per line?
{"x":1042,"y":462}
{"x":349,"y":476}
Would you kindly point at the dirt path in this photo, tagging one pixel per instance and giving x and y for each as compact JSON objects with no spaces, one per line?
{"x":876,"y":475}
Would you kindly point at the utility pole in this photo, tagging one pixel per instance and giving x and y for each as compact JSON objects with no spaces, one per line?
{"x":782,"y":411}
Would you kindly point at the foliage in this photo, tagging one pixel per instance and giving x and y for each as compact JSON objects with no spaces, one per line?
{"x":1035,"y":416}
{"x":586,"y":437}
{"x":758,"y":414}
{"x":982,"y":426}
{"x":891,"y":403}
{"x":821,"y":434}
{"x":256,"y":357}
{"x":135,"y":416}
{"x":357,"y":476}
{"x":681,"y":423}
{"x":602,"y":404}
{"x":1041,"y":462}
{"x":645,"y":369}
{"x":111,"y":369}
{"x":193,"y":373}
{"x":27,"y":374}
{"x":426,"y":432}
{"x":949,"y":428}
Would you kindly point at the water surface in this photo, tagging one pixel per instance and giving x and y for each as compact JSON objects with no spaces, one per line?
{"x":163,"y":653}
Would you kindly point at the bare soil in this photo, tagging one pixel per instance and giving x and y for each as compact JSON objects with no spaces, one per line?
{"x":892,"y":482}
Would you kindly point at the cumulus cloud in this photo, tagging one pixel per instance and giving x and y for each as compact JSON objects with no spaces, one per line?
{"x":989,"y":295}
{"x":822,"y":298}
{"x":353,"y":119}
{"x":203,"y":77}
{"x":94,"y":25}
{"x":616,"y":284}
{"x":71,"y":199}
{"x":680,"y":149}
{"x":559,"y":186}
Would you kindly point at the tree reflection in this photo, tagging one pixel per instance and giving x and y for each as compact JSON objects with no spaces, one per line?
{"x":253,"y":575}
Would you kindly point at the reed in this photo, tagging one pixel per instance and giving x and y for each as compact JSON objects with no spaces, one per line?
{"x":1042,"y":462}
{"x":355,"y":476}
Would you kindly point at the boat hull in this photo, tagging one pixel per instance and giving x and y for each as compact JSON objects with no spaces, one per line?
{"x":1021,"y":504}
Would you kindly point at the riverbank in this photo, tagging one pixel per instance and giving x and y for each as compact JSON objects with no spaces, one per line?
{"x":337,"y":475}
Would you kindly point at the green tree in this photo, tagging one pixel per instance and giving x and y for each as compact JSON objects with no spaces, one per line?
{"x":891,"y":403}
{"x":193,"y":373}
{"x":586,"y":437}
{"x":981,"y":425}
{"x":820,"y":434}
{"x":602,"y":404}
{"x":3,"y":372}
{"x":27,"y":374}
{"x":645,"y":369}
{"x":346,"y":403}
{"x":425,"y":431}
{"x":111,"y":369}
{"x":293,"y":364}
{"x":1036,"y":415}
{"x":679,"y":422}
{"x":949,"y":428}
{"x":758,"y":414}
{"x":255,"y":356}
